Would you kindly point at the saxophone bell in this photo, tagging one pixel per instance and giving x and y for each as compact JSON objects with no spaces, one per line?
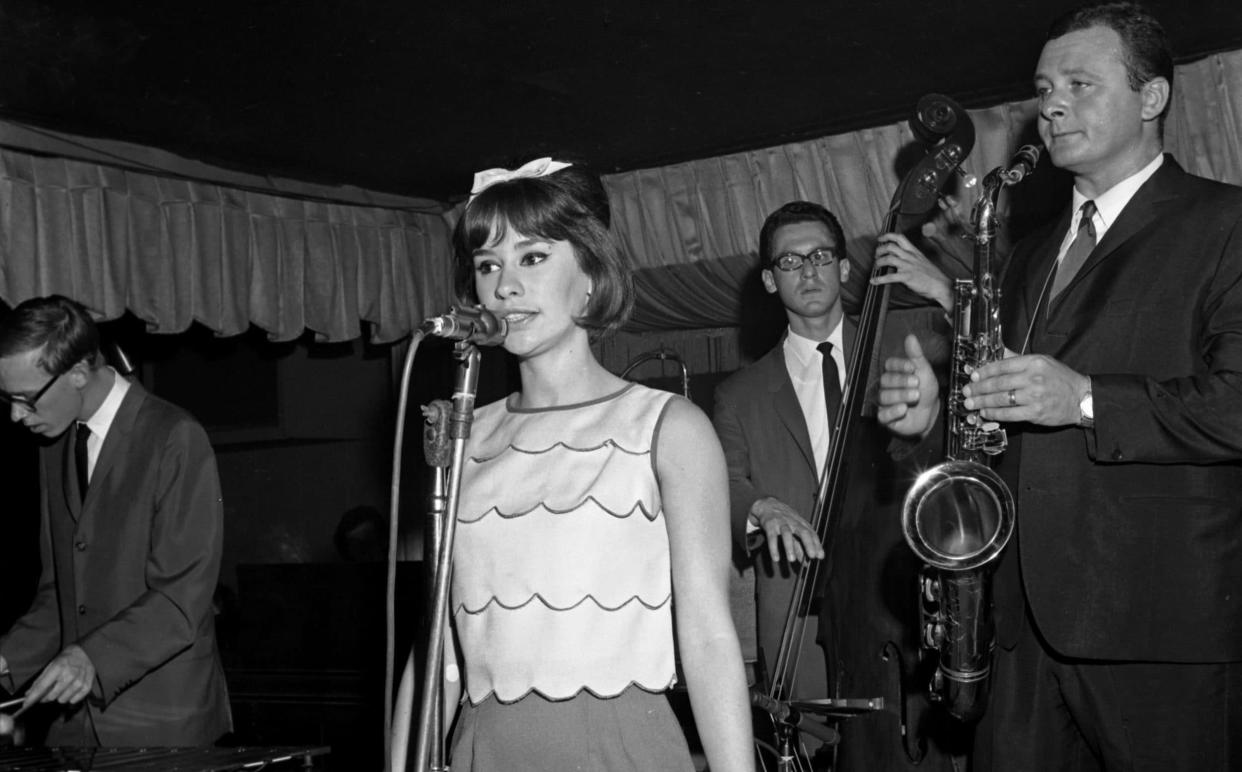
{"x":957,"y":518}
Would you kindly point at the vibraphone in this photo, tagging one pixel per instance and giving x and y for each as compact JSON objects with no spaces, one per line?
{"x":161,"y":759}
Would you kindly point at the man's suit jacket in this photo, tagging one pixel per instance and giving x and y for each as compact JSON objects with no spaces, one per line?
{"x":871,"y":597}
{"x":129,"y":574}
{"x":768,"y":453}
{"x":1130,"y":535}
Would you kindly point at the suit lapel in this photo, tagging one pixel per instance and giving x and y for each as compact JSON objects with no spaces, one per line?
{"x":1135,"y":216}
{"x":785,"y":401}
{"x":1139,"y":213}
{"x":117,"y":440}
{"x":849,"y":333}
{"x":1025,"y":285}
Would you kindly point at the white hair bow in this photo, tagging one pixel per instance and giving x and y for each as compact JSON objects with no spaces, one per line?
{"x":540,"y":167}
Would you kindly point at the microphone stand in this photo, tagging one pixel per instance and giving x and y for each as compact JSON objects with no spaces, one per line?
{"x":789,"y":719}
{"x":461,"y":416}
{"x":438,"y":453}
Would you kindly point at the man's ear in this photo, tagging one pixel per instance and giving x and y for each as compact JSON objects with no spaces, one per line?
{"x":78,"y":375}
{"x":769,"y":281}
{"x":845,"y":269}
{"x":1155,"y":94}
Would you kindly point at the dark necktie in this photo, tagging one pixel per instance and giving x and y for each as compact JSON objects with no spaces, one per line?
{"x":82,"y":458}
{"x":832,"y":382}
{"x":1076,"y":255}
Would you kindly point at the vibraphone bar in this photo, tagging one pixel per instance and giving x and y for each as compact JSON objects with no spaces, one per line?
{"x":162,"y":759}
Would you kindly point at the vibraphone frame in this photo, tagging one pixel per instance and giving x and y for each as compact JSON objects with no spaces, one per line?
{"x":209,"y":759}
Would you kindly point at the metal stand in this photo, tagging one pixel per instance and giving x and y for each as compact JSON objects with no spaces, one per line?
{"x":429,"y":750}
{"x":438,"y":452}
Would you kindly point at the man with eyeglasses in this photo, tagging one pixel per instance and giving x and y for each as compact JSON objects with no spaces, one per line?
{"x":773,"y":418}
{"x":121,"y":632}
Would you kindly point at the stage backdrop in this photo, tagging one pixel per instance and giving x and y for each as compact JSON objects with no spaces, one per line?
{"x":174,"y":241}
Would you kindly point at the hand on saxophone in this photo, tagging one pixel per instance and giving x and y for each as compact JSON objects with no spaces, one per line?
{"x":909,"y":395}
{"x":1031,"y":387}
{"x":911,"y":268}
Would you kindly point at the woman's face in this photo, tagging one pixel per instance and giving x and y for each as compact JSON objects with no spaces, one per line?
{"x":534,"y":284}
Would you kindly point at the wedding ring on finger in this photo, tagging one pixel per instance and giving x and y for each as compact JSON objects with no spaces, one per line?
{"x":1013,"y":398}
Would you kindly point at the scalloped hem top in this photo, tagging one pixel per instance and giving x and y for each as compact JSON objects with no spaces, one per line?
{"x":561,"y":576}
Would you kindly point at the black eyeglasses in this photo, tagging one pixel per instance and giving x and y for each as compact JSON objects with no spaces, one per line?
{"x":28,"y":403}
{"x":792,"y":261}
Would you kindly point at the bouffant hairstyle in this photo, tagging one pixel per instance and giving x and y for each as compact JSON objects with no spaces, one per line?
{"x":567,"y":205}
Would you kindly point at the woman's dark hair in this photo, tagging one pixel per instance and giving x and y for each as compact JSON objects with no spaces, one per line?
{"x":568,"y":205}
{"x":62,"y":327}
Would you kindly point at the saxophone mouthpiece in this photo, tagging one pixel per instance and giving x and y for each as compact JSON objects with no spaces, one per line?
{"x":1023,"y":163}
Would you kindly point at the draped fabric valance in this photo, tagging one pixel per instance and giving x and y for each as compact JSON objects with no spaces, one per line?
{"x":174,"y":251}
{"x":175,"y":246}
{"x":693,"y":228}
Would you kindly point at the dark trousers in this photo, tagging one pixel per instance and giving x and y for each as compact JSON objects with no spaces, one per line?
{"x":1049,"y":713}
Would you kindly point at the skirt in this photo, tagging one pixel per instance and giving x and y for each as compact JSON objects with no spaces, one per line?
{"x":636,"y":730}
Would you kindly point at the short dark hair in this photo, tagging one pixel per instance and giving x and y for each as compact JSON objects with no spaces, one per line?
{"x":567,"y":205}
{"x":1147,"y":54}
{"x":796,"y":212}
{"x":62,"y":327}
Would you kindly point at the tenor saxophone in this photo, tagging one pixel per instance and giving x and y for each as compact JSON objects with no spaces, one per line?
{"x":958,"y":516}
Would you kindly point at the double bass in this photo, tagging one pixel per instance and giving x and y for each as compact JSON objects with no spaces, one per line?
{"x":946,"y":129}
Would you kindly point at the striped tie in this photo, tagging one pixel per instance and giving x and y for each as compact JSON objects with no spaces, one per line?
{"x":1076,"y":255}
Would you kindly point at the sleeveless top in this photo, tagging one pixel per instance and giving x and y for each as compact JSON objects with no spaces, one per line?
{"x":561,"y":577}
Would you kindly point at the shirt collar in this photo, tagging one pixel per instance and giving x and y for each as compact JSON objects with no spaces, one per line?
{"x":1108,"y":205}
{"x":101,"y":421}
{"x":805,"y":350}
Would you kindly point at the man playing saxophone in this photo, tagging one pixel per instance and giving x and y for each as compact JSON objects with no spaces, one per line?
{"x":1118,"y":606}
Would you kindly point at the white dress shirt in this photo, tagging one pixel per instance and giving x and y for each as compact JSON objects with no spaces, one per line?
{"x":1108,"y":205}
{"x":101,"y":421}
{"x":805,"y":365}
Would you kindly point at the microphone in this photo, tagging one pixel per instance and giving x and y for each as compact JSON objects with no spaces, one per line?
{"x":1022,"y":164}
{"x":474,"y":325}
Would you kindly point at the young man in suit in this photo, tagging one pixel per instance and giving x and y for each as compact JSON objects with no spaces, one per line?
{"x":1121,"y":634}
{"x":773,"y":418}
{"x":121,"y":631}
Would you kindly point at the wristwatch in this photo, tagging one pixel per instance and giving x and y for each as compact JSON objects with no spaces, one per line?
{"x":1086,"y":408}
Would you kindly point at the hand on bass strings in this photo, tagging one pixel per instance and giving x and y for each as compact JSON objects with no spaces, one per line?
{"x":784,"y":528}
{"x":909,"y":395}
{"x":1031,"y":387}
{"x":911,"y":268}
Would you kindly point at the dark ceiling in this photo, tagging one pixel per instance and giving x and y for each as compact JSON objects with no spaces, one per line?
{"x":410,"y":96}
